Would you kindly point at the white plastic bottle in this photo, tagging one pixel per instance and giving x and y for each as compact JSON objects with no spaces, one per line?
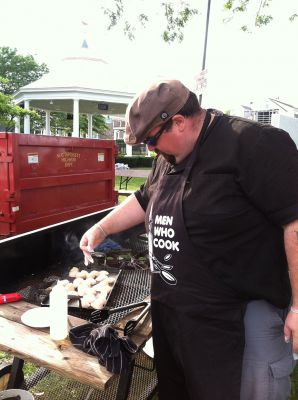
{"x":58,"y":313}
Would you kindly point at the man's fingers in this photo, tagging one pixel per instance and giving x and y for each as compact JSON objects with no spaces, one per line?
{"x":87,"y":258}
{"x":287,"y":333}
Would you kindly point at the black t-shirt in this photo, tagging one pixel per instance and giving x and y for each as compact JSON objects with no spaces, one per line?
{"x":241,"y":191}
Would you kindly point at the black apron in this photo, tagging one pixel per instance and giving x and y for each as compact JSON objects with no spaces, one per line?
{"x":198,"y":331}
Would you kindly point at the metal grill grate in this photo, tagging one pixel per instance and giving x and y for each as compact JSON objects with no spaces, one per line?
{"x":131,"y":286}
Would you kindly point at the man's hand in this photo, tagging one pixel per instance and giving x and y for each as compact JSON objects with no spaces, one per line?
{"x":92,"y":238}
{"x":291,"y":248}
{"x":124,"y":216}
{"x":291,"y":330}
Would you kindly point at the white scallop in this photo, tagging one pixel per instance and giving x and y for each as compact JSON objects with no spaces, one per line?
{"x":90,"y":281}
{"x":93,"y":274}
{"x":70,"y":287}
{"x":77,"y":282}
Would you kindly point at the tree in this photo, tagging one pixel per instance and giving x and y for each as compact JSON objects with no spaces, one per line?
{"x":8,"y":111}
{"x":61,"y":123}
{"x":18,"y":70}
{"x":262,"y":14}
{"x":178,"y":14}
{"x":99,"y":124}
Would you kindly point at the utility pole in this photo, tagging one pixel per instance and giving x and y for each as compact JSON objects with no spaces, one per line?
{"x":205,"y":43}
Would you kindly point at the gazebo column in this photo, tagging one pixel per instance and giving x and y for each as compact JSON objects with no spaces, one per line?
{"x":128,"y":150}
{"x":76,"y":118}
{"x":48,"y":122}
{"x":17,"y":127}
{"x":27,"y":117}
{"x":90,"y":126}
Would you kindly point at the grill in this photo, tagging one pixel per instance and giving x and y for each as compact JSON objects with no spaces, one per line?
{"x":50,"y":253}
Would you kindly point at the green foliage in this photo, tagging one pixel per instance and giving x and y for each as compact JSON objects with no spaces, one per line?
{"x":176,"y":20}
{"x":8,"y":111}
{"x":135,"y":161}
{"x":18,"y":70}
{"x":241,"y":6}
{"x":62,"y":124}
{"x":99,"y":124}
{"x":178,"y":14}
{"x":176,"y":17}
{"x":263,"y":20}
{"x":114,"y":14}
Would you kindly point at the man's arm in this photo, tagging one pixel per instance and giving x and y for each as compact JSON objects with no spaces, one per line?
{"x":291,"y":247}
{"x":124,"y":216}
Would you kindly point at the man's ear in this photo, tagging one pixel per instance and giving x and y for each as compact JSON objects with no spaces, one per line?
{"x":179,"y":121}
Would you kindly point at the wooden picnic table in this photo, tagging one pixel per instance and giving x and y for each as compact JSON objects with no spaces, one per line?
{"x":36,"y":346}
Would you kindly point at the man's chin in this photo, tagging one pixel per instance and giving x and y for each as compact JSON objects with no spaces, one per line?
{"x":169,"y":157}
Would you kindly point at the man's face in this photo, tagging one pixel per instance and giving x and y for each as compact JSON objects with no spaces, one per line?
{"x":158,"y":142}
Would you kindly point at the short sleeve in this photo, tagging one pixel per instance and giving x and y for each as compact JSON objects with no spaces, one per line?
{"x":159,"y":168}
{"x":268,"y":173}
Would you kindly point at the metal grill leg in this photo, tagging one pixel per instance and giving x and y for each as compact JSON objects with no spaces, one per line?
{"x":16,"y":378}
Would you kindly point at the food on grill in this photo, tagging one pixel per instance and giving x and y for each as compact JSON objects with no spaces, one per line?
{"x":111,"y":280}
{"x":72,"y":293}
{"x":92,"y":287}
{"x":104,"y":282}
{"x":85,"y":303}
{"x":89,"y":298}
{"x":94,"y":274}
{"x":64,"y":282}
{"x":82,"y":274}
{"x":91,"y":290}
{"x":90,"y":281}
{"x":73,"y":272}
{"x":77,"y":282}
{"x":81,"y":289}
{"x":99,"y":303}
{"x":103,"y":272}
{"x":70,"y":287}
{"x":100,"y":277}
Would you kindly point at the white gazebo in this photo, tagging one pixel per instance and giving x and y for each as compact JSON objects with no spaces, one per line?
{"x":79,"y":84}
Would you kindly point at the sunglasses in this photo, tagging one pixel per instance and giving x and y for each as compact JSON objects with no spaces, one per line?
{"x":152,"y":140}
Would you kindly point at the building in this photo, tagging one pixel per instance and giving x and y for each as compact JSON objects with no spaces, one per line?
{"x":277,"y":113}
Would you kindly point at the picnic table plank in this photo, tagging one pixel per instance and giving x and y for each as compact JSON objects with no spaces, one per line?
{"x":35,"y":345}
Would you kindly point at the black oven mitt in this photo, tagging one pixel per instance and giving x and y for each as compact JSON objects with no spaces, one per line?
{"x":113,"y":352}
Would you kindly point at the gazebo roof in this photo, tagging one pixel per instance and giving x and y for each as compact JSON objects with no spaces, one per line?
{"x":100,"y":87}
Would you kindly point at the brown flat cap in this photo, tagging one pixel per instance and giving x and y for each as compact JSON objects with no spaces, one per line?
{"x":152,"y":107}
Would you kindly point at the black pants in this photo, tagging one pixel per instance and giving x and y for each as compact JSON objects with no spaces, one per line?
{"x":197,"y":357}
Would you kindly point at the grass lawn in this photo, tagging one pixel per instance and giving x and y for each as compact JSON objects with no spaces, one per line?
{"x":133,"y":184}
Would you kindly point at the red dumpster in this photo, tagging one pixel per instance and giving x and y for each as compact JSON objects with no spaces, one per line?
{"x":48,"y":179}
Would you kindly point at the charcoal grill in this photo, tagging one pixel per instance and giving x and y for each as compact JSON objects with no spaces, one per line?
{"x":28,"y":259}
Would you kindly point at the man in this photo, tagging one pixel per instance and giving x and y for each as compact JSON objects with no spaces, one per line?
{"x":221,"y":211}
